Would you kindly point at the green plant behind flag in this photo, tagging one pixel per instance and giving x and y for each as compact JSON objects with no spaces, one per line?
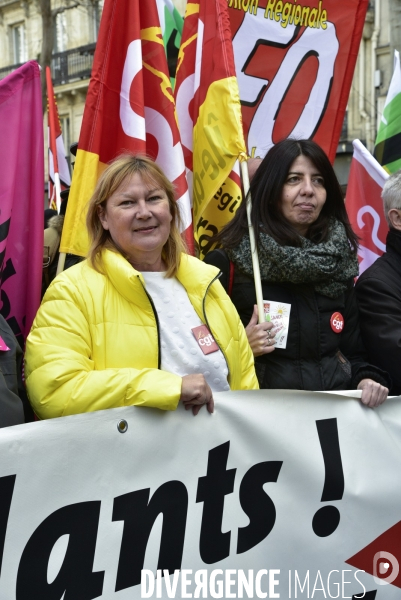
{"x":171,"y":23}
{"x":388,"y":142}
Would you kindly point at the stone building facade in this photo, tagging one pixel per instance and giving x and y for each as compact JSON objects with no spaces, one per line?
{"x":373,"y":72}
{"x":75,"y":35}
{"x":76,"y":30}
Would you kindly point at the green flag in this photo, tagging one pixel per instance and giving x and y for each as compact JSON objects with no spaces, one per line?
{"x":171,"y":23}
{"x":388,"y":142}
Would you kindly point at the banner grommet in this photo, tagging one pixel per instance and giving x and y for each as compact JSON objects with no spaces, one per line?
{"x":122,"y":426}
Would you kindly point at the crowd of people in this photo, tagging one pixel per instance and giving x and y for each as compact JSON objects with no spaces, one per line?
{"x":141,"y":322}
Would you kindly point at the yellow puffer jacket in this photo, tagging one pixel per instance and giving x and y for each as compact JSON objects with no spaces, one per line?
{"x":94,"y":343}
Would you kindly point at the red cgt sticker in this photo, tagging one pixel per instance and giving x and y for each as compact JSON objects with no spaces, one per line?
{"x":205,"y":339}
{"x":337,"y":322}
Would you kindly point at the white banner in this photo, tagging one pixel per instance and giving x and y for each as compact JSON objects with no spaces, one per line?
{"x":279,"y":494}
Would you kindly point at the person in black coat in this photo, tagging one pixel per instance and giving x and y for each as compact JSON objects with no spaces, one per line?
{"x":378,"y":292}
{"x":308,"y":262}
{"x":13,"y":398}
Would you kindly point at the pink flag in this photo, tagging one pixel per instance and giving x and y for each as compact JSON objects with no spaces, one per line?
{"x":21,"y":197}
{"x":365,"y":206}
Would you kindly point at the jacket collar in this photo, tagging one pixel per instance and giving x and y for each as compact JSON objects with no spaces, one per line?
{"x":195,"y":276}
{"x":123,"y":276}
{"x":393,"y":241}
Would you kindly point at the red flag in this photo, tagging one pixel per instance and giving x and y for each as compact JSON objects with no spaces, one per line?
{"x":365,"y":205}
{"x":21,"y":197}
{"x":209,"y":114}
{"x":295,"y":62}
{"x":59,"y":172}
{"x":129,"y":107}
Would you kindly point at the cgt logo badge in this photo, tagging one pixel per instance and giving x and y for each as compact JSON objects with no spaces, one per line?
{"x":337,"y":322}
{"x":385,"y":568}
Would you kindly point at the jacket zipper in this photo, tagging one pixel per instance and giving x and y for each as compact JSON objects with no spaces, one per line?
{"x":157,"y":324}
{"x":207,"y":322}
{"x":317,"y":312}
{"x":204,"y":314}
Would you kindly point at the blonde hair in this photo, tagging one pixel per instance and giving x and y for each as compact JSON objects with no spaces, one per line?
{"x":114,"y":175}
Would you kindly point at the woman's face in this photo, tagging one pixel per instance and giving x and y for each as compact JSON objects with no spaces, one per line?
{"x":303,"y":195}
{"x":138,"y":218}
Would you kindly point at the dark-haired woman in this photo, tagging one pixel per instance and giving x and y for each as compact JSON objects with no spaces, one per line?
{"x":308,"y":261}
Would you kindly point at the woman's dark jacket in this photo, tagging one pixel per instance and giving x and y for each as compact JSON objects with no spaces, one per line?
{"x":316,"y":358}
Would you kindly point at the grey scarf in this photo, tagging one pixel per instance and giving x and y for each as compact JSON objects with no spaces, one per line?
{"x":328,"y":266}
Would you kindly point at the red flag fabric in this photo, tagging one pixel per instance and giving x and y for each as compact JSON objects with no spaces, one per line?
{"x":59,"y":170}
{"x":209,"y":115}
{"x":295,"y":62}
{"x":21,"y":197}
{"x":365,"y":205}
{"x":129,"y":107}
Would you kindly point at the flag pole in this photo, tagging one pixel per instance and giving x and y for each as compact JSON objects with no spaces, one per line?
{"x":61,"y":263}
{"x":57,"y":186}
{"x":254,"y":250}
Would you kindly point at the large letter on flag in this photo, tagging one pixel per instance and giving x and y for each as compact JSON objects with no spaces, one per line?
{"x":129,"y":107}
{"x":388,"y":141}
{"x":365,"y":206}
{"x":295,"y":62}
{"x":59,"y":171}
{"x":21,"y":197}
{"x":209,"y":114}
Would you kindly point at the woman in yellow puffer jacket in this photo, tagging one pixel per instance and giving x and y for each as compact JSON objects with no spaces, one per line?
{"x":139,"y":322}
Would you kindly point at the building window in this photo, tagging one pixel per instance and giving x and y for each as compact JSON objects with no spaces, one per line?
{"x":18,"y":51}
{"x":60,"y":37}
{"x":344,"y":130}
{"x":65,"y":130}
{"x":94,"y":16}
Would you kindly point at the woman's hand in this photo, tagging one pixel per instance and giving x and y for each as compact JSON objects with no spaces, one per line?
{"x":260,"y":335}
{"x":373,"y":394}
{"x":195,"y":392}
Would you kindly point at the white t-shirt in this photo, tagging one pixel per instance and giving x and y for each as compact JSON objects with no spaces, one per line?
{"x":180,"y":352}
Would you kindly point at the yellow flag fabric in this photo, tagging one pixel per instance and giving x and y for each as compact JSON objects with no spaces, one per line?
{"x":87,"y":170}
{"x":212,"y":137}
{"x":218,"y":140}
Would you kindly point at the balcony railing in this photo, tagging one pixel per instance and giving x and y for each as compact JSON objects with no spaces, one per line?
{"x":7,"y":70}
{"x":72,"y":65}
{"x":66,"y":67}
